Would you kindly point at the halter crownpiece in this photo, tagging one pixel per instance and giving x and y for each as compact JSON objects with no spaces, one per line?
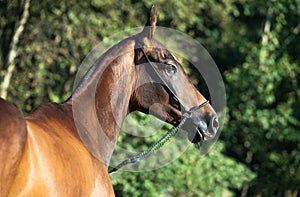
{"x":168,"y":135}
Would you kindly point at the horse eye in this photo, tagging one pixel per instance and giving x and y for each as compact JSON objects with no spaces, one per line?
{"x":171,"y":69}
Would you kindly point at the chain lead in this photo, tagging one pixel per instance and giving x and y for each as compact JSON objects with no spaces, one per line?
{"x":160,"y":142}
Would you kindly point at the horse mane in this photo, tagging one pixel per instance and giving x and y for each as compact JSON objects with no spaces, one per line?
{"x":99,"y":61}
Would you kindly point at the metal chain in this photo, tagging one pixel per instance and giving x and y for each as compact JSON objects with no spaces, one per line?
{"x":160,"y":142}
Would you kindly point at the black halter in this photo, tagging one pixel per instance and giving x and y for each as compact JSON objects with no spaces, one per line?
{"x":171,"y":133}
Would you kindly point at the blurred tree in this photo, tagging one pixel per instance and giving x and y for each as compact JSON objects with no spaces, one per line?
{"x":9,"y":58}
{"x":263,"y":93}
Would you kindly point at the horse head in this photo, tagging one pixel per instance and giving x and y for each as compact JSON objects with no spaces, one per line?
{"x":163,"y":89}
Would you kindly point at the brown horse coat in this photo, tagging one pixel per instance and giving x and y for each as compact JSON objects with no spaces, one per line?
{"x":51,"y":161}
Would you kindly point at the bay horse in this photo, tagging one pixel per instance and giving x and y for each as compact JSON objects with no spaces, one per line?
{"x":64,"y":149}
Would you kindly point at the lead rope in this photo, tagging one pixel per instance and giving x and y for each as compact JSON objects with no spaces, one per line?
{"x":160,"y":142}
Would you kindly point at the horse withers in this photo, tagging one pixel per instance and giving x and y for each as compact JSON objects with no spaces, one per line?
{"x":64,"y":149}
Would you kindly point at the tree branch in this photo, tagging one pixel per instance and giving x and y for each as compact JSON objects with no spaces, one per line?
{"x":13,"y":50}
{"x":263,"y":54}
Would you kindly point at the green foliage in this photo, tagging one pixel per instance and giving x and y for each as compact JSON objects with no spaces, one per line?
{"x":190,"y":175}
{"x":263,"y":93}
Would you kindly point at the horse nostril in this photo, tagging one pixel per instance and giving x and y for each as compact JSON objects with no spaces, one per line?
{"x":214,"y":124}
{"x":206,"y":129}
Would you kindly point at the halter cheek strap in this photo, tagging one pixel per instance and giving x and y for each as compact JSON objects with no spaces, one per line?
{"x":193,"y":109}
{"x":160,"y":78}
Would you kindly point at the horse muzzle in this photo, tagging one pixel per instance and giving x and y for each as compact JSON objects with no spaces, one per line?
{"x":202,"y":129}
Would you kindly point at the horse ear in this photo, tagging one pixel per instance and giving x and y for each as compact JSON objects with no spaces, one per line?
{"x":150,"y":26}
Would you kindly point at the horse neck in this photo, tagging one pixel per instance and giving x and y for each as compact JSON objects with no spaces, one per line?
{"x":101,"y":104}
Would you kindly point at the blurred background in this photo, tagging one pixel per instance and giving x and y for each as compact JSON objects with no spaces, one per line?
{"x":255,"y":44}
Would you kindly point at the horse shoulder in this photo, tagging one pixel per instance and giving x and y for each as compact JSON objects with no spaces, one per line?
{"x":12,"y":142}
{"x":57,"y":159}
